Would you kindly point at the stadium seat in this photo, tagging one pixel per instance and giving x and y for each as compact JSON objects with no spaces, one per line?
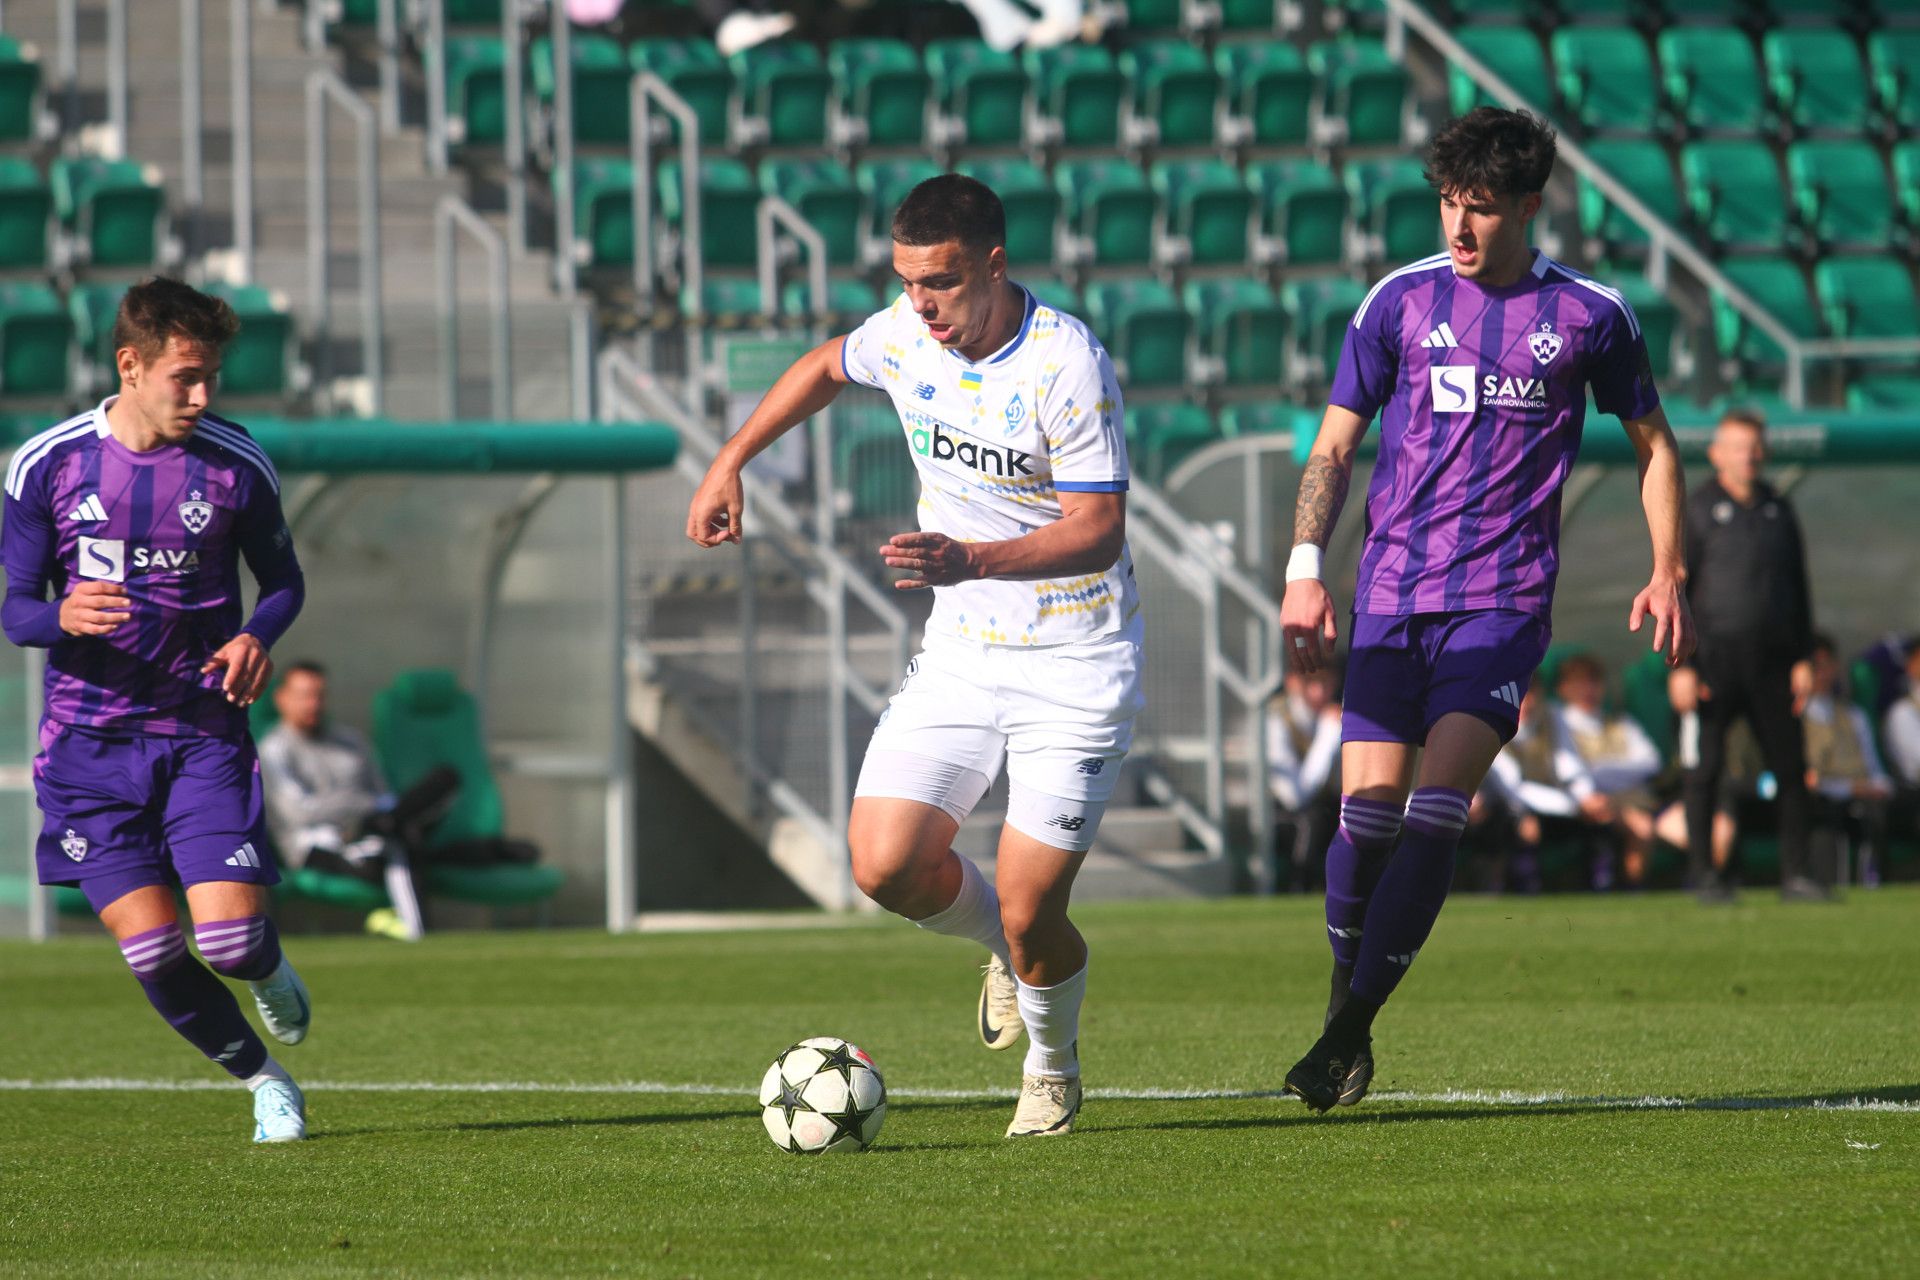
{"x":1032,"y":206}
{"x":850,"y":300}
{"x":1320,"y":309}
{"x":1608,"y":13}
{"x":981,"y":92}
{"x":26,"y":215}
{"x":261,"y":359}
{"x":603,"y":227}
{"x":1712,"y":79}
{"x":1863,"y":297}
{"x":1303,"y":212}
{"x":1239,"y":324}
{"x":1655,"y":312}
{"x":1605,"y":77}
{"x":1152,"y":15}
{"x":1143,"y":327}
{"x":880,"y":90}
{"x":1077,"y":90}
{"x":1363,"y":91}
{"x":35,"y":333}
{"x":1052,"y":291}
{"x":1209,"y":205}
{"x":425,"y":721}
{"x":1111,"y":207}
{"x":1161,"y":436}
{"x":476,"y":90}
{"x":1840,"y":193}
{"x":1269,"y":93}
{"x":1511,"y":52}
{"x":1175,"y":92}
{"x":1906,"y":186}
{"x":114,"y":208}
{"x":883,"y":184}
{"x":1267,"y":417}
{"x":1825,"y":13}
{"x":1780,"y":288}
{"x":694,"y":70}
{"x":729,"y":209}
{"x":1883,"y":393}
{"x":784,"y":86}
{"x":726,"y":302}
{"x":91,"y":308}
{"x":1734,"y":192}
{"x":1500,"y":11}
{"x":1643,"y":167}
{"x":824,"y":193}
{"x":1249,"y":15}
{"x":1394,"y":205}
{"x":472,"y":13}
{"x":1894,"y":56}
{"x":602,"y":87}
{"x":19,"y":92}
{"x":874,"y":475}
{"x":1818,"y":80}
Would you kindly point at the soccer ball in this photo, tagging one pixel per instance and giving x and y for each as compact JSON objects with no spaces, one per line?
{"x":823,"y":1095}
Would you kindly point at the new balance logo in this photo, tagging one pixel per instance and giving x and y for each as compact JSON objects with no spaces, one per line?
{"x":1441,"y":337}
{"x":244,"y":856}
{"x":1067,"y":822}
{"x":924,"y":390}
{"x":1508,"y":693}
{"x":1091,"y":766}
{"x":90,"y":509}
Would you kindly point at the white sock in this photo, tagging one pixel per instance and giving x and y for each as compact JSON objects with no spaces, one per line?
{"x":400,"y":889}
{"x":1052,"y":1015}
{"x":269,"y":1070}
{"x":973,"y":914}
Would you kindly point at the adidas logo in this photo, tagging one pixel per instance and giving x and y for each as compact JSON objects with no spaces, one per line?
{"x":1343,"y":933}
{"x":1508,"y":693}
{"x":1406,"y":959}
{"x":1441,"y":337}
{"x":244,"y":856}
{"x":89,"y":510}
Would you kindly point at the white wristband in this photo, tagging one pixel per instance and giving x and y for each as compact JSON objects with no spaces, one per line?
{"x":1304,"y":562}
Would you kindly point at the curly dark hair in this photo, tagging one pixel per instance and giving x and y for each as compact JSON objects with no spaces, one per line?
{"x":159,"y":308}
{"x":1493,"y":152}
{"x":951,"y":207}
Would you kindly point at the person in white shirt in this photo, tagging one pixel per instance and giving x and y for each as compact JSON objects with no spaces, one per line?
{"x":1619,"y":755}
{"x":1541,"y":782}
{"x":1013,"y":417}
{"x":1850,"y":787}
{"x":1303,"y":768}
{"x":1903,"y":726}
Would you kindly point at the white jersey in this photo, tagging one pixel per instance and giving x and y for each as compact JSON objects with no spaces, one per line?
{"x":995,"y":444}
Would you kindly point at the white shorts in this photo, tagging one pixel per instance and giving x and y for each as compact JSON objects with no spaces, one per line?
{"x":1060,"y":717}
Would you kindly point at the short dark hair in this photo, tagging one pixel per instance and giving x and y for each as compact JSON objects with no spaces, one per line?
{"x":1578,"y":664}
{"x":1824,"y":643}
{"x":951,"y":207}
{"x":1745,"y":417}
{"x":1491,"y":151}
{"x":306,"y":666}
{"x":159,"y":308}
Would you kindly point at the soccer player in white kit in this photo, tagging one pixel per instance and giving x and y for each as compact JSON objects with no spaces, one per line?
{"x":1032,"y":655}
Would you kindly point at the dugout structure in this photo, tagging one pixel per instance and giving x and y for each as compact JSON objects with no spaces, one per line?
{"x":495,"y":549}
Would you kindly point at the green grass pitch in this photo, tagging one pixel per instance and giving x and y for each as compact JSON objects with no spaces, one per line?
{"x":1513,"y":1131}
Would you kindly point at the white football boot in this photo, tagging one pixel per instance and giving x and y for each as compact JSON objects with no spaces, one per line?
{"x":279,"y":1112}
{"x":1000,"y":1021}
{"x":282,"y":999}
{"x":1047,"y":1107}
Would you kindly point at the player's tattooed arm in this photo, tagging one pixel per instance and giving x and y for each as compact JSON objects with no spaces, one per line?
{"x":1323,"y":492}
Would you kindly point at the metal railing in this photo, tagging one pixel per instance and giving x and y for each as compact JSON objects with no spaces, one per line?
{"x":192,"y":121}
{"x":241,"y":109}
{"x":561,"y":46}
{"x":450,"y":216}
{"x":437,"y":85}
{"x":647,"y":91}
{"x":322,"y":87}
{"x":117,"y":75}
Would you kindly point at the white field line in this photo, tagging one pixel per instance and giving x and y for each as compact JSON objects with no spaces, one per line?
{"x":1450,"y":1097}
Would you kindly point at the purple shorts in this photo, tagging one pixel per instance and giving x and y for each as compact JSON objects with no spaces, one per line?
{"x":124,"y":811}
{"x":1408,"y":670}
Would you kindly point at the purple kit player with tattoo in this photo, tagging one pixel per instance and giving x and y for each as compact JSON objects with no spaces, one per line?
{"x":137,"y":515}
{"x":1478,"y":361}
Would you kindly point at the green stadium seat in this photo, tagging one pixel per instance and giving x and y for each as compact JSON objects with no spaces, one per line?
{"x":1176,"y":92}
{"x":1734,"y":191}
{"x":1209,"y":204}
{"x":1605,"y":76}
{"x":1840,"y":193}
{"x":1240,"y":324}
{"x":1500,"y":11}
{"x":1712,"y":78}
{"x":1266,"y":417}
{"x":1161,"y":436}
{"x":981,"y":92}
{"x":874,"y":475}
{"x":476,"y":90}
{"x":726,"y":302}
{"x":850,"y":300}
{"x":1077,"y":90}
{"x":1643,"y":167}
{"x":425,"y":721}
{"x":729,"y":209}
{"x":1052,"y":291}
{"x":26,"y":215}
{"x":880,"y":88}
{"x":1320,"y":308}
{"x":785,"y":86}
{"x":1906,"y":184}
{"x":1144,"y":327}
{"x":261,"y":359}
{"x":602,"y":87}
{"x":92,"y":308}
{"x":1110,"y":205}
{"x":603,"y":227}
{"x":1303,"y":211}
{"x":1152,"y":15}
{"x":1363,"y":91}
{"x":1511,"y":52}
{"x":114,"y":208}
{"x":1249,"y":15}
{"x":1659,"y":320}
{"x":35,"y":336}
{"x":1269,"y":93}
{"x":1394,"y":205}
{"x":1863,"y":297}
{"x":1883,"y":393}
{"x":824,"y":193}
{"x":1894,"y":56}
{"x":1032,"y":206}
{"x":695,"y":70}
{"x":1825,"y":13}
{"x":473,"y":13}
{"x":19,"y":92}
{"x":1780,"y":288}
{"x":1609,"y":13}
{"x":883,"y":184}
{"x":1818,"y":79}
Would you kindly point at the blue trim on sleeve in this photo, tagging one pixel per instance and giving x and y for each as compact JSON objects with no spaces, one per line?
{"x":846,"y":372}
{"x":1090,"y":486}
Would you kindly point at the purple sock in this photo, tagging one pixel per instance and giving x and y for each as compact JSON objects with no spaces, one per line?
{"x":193,"y":1001}
{"x":1411,"y":891}
{"x":247,"y":948}
{"x":1354,"y":860}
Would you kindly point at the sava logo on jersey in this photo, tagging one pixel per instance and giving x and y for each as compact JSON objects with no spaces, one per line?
{"x":1513,"y":393}
{"x":107,"y":560}
{"x":931,"y":438}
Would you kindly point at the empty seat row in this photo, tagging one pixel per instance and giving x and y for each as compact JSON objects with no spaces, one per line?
{"x":1653,"y":14}
{"x":1852,"y":296}
{"x":85,"y":211}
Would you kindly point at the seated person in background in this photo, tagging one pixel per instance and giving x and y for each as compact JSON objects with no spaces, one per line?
{"x":1303,"y":762}
{"x":1541,"y":782}
{"x":1849,"y":786}
{"x":1618,"y":754}
{"x":1903,"y":727}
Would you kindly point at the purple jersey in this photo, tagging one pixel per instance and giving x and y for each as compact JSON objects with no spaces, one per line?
{"x":1481,"y":393}
{"x":171,"y":525}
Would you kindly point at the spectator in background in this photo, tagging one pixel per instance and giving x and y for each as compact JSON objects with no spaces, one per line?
{"x":1850,"y":786}
{"x":1747,"y":584}
{"x":1303,"y":762}
{"x":1541,"y":783}
{"x":1619,"y":756}
{"x":1742,"y":766}
{"x":1903,"y":726}
{"x":1887,"y":659}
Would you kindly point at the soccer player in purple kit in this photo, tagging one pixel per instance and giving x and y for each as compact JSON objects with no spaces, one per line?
{"x":1478,"y":361}
{"x":137,"y":515}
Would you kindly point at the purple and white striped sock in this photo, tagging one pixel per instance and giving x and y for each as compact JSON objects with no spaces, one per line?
{"x":153,"y":954}
{"x":194,"y":1002}
{"x":248,"y":948}
{"x":1411,"y":892}
{"x":1367,"y":830}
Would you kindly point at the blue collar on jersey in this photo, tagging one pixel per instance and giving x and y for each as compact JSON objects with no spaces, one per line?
{"x":1013,"y":343}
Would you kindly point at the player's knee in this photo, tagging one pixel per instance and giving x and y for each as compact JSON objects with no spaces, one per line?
{"x":1027,"y":923}
{"x":890,"y":876}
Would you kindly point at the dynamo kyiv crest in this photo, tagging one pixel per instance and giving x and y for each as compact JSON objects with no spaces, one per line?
{"x":1545,"y":344}
{"x":195,"y":514}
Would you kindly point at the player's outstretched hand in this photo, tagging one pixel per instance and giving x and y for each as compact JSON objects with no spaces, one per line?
{"x":247,"y":666}
{"x":1663,"y":600}
{"x":95,"y":609}
{"x":934,"y":560}
{"x":714,"y":516}
{"x":1308,"y":625}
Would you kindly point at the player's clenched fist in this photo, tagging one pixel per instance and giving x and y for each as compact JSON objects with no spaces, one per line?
{"x":95,"y":609}
{"x":714,"y":516}
{"x":1307,"y":622}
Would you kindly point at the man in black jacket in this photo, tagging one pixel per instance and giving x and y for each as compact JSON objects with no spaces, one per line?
{"x":1747,"y":585}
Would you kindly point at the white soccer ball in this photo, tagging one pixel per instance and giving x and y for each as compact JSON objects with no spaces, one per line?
{"x":823,"y":1095}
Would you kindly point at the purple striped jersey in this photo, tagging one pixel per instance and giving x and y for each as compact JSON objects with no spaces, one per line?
{"x":1481,"y":393}
{"x":172,"y":526}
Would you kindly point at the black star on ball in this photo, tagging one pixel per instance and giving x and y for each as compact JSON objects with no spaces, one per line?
{"x":840,"y":1059}
{"x":789,"y":1101}
{"x":850,"y":1123}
